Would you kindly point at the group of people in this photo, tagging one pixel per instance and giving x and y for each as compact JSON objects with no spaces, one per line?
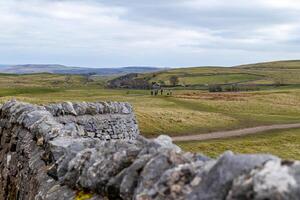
{"x":155,"y":92}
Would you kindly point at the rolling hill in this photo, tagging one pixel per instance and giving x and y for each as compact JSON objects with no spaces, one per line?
{"x":61,"y":69}
{"x":259,"y":74}
{"x":285,"y":64}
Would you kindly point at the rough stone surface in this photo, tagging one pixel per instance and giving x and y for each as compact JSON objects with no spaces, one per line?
{"x":60,"y":151}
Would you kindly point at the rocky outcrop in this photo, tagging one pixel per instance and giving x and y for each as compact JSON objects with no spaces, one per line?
{"x":94,"y":151}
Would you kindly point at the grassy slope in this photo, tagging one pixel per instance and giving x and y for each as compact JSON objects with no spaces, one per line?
{"x":283,"y":143}
{"x":47,"y":80}
{"x":287,"y":72}
{"x":285,"y":64}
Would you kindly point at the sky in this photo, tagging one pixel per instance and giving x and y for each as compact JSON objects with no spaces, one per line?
{"x":165,"y":33}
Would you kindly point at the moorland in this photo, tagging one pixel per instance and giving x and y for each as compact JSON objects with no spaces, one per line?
{"x":251,"y":95}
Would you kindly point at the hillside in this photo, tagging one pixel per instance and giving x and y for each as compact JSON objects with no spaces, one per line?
{"x":285,"y":64}
{"x":61,"y":69}
{"x":252,"y":75}
{"x":47,"y":80}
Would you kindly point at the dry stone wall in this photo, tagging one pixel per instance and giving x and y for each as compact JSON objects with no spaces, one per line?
{"x":62,"y":151}
{"x":103,"y":120}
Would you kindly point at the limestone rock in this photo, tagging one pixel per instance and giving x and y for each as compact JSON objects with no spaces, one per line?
{"x":94,"y":150}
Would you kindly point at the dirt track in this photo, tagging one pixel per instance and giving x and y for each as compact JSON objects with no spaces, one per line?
{"x":233,"y":133}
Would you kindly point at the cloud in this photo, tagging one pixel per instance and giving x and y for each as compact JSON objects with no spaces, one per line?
{"x":163,"y":33}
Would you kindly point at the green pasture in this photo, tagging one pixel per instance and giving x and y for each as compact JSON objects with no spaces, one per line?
{"x":283,"y":143}
{"x":186,"y":112}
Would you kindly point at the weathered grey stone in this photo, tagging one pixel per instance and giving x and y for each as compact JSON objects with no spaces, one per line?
{"x":217,"y":181}
{"x":68,"y":109}
{"x":274,"y":180}
{"x":166,"y":143}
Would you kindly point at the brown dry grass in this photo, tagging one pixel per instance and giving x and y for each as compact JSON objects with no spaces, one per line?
{"x":228,"y":96}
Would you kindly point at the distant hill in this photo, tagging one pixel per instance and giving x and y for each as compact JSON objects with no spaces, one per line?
{"x":61,"y":69}
{"x":253,"y":75}
{"x":285,"y":64}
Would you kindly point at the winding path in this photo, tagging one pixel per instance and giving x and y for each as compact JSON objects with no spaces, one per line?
{"x":233,"y":133}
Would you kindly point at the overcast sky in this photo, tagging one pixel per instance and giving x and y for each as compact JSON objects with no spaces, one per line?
{"x":170,"y":33}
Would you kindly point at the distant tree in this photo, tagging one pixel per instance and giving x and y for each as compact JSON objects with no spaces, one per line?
{"x":174,"y":80}
{"x":215,"y":88}
{"x":161,"y":82}
{"x":235,"y":88}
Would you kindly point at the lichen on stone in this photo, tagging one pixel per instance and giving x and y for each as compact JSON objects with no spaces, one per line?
{"x":81,"y":195}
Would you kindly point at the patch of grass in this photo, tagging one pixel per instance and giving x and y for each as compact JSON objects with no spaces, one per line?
{"x":30,"y":91}
{"x":48,"y":80}
{"x":283,"y":143}
{"x":219,"y":79}
{"x":285,"y":64}
{"x":175,"y":121}
{"x":83,"y":195}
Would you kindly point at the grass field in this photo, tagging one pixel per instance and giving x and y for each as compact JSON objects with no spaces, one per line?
{"x":187,"y":112}
{"x":283,"y":143}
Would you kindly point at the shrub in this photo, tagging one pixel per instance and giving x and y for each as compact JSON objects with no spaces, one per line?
{"x":215,"y":88}
{"x":174,"y":80}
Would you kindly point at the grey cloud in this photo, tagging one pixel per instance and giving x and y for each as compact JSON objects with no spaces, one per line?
{"x":228,"y":16}
{"x":140,"y":32}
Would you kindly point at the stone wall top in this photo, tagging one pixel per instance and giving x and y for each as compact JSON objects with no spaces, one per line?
{"x":83,"y":108}
{"x":108,"y":120}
